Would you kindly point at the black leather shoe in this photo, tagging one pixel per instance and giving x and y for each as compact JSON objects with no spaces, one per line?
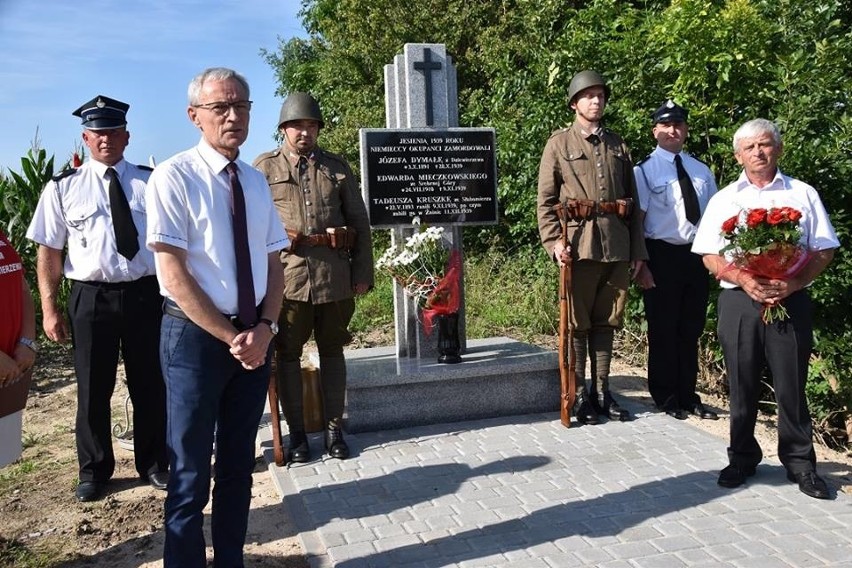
{"x":735,"y":475}
{"x":810,"y":484}
{"x":611,"y":409}
{"x":298,"y":451}
{"x":89,"y":491}
{"x":334,"y":443}
{"x":701,"y":412}
{"x":159,"y":480}
{"x":678,"y":413}
{"x":584,"y":410}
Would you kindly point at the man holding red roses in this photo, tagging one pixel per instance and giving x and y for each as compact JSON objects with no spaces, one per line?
{"x":749,"y":342}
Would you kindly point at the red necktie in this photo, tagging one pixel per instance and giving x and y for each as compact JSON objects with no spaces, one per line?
{"x":246,"y":307}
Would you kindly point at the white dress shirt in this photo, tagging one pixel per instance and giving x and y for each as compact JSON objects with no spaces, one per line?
{"x":817,"y":230}
{"x":189,"y":207}
{"x":75,"y":210}
{"x":661,"y":199}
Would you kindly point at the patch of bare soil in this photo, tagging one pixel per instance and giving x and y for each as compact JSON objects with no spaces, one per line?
{"x":44,"y":525}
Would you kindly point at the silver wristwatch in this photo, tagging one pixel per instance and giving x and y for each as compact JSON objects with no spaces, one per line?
{"x":31,"y":343}
{"x":273,"y":326}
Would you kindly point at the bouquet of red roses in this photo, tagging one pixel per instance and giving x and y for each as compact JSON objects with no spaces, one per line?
{"x":765,"y":242}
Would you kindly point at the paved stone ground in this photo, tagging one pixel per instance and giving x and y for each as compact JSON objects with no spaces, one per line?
{"x":525,"y":491}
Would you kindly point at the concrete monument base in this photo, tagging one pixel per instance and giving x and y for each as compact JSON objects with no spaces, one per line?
{"x":498,"y":376}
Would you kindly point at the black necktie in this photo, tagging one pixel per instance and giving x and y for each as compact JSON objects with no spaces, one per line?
{"x":246,"y":308}
{"x":126,"y":235}
{"x":690,"y":200}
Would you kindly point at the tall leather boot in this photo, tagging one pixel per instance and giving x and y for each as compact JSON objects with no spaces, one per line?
{"x":335,"y":445}
{"x":333,"y":377}
{"x":583,"y":409}
{"x":289,"y":378}
{"x":600,"y":342}
{"x":611,"y":409}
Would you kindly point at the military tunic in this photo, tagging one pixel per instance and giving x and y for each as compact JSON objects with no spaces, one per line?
{"x":318,"y":297}
{"x":580,"y":165}
{"x":325,"y":195}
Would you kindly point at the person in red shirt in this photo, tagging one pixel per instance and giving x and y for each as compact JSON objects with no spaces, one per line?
{"x":17,"y":348}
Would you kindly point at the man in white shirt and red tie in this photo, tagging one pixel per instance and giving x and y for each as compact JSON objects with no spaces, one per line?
{"x":98,"y":211}
{"x":223,"y":285}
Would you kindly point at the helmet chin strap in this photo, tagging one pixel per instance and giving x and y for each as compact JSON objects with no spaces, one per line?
{"x":291,"y":147}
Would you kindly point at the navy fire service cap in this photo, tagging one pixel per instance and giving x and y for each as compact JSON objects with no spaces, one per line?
{"x":103,"y":113}
{"x":670,"y":112}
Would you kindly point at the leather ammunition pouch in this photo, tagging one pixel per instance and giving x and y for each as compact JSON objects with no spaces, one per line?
{"x":335,"y":238}
{"x":585,"y":209}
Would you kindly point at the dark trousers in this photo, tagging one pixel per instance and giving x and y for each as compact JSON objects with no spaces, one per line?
{"x":329,"y":323}
{"x":749,"y":346}
{"x":107,"y":319}
{"x":209,"y":394}
{"x":676,"y":310}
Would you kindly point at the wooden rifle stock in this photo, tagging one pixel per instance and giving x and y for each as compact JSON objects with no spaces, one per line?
{"x":567,"y":357}
{"x":275,"y":419}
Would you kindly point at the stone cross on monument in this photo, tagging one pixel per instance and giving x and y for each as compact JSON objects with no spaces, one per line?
{"x":424,"y":169}
{"x":421,"y":91}
{"x":426,"y":67}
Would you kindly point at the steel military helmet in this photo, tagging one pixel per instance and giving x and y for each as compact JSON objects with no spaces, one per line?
{"x":300,"y":106}
{"x":584,"y":80}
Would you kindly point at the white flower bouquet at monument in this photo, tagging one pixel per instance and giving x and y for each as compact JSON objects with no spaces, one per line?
{"x":427,"y":271}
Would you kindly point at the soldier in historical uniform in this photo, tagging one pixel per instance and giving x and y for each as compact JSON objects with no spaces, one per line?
{"x":329,"y":261}
{"x":98,"y":210}
{"x":673,"y":189}
{"x":587,"y":167}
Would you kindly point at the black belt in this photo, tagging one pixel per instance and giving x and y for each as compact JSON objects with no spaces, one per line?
{"x":172,"y":309}
{"x":144,"y":281}
{"x":662,"y":243}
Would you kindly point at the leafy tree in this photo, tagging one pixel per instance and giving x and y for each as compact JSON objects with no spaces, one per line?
{"x":728,"y":61}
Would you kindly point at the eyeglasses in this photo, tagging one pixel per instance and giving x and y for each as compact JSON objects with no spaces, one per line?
{"x":222,"y":108}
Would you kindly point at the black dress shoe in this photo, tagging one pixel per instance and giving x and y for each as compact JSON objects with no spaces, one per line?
{"x":701,"y":412}
{"x":677,"y":413}
{"x":611,"y":409}
{"x":159,"y":480}
{"x":735,"y":475}
{"x":334,"y":443}
{"x":90,"y":491}
{"x":298,"y":451}
{"x":584,"y":410}
{"x":810,"y":484}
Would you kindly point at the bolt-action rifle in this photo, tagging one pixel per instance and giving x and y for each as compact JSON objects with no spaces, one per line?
{"x":567,"y":357}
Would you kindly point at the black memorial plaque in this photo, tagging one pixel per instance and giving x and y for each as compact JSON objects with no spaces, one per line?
{"x":438,"y":177}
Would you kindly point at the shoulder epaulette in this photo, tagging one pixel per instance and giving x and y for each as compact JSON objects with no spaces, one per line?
{"x":266,"y":155}
{"x":64,"y":174}
{"x":642,"y":161}
{"x":560,"y":131}
{"x":146,"y":168}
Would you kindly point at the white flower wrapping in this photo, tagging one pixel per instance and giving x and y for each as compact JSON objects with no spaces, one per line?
{"x":419,"y":265}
